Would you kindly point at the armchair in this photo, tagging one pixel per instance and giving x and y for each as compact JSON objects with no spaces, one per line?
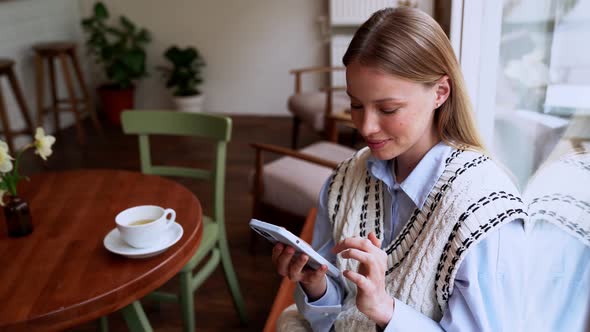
{"x":315,"y":108}
{"x":291,"y":184}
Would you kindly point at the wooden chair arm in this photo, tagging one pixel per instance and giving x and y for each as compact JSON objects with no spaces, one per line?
{"x":292,"y":153}
{"x":300,"y":71}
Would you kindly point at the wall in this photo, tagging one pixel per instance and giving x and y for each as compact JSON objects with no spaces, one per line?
{"x":23,"y":23}
{"x":249,"y":47}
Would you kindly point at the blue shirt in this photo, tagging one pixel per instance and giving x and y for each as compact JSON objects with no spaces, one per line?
{"x":558,"y":284}
{"x":488,"y":285}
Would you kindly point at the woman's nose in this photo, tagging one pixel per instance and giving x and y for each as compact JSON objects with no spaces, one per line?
{"x":370,"y":123}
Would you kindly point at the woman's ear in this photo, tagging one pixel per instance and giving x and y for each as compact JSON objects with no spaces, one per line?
{"x":442,"y":90}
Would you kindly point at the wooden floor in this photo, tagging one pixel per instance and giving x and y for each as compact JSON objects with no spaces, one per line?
{"x":214,"y":309}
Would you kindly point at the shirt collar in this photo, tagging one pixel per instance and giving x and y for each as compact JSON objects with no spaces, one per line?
{"x":422,"y":178}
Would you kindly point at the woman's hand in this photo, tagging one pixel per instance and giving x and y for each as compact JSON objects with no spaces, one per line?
{"x":292,"y":266}
{"x":371,"y":298}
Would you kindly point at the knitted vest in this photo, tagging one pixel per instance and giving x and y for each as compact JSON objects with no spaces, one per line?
{"x":472,"y":197}
{"x":558,"y":193}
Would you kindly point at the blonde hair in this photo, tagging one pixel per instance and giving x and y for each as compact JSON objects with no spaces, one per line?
{"x":408,"y":43}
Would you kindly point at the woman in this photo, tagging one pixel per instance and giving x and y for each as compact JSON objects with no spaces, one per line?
{"x":425,"y":227}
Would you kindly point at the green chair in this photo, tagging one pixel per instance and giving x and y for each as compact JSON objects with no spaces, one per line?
{"x":217,"y":129}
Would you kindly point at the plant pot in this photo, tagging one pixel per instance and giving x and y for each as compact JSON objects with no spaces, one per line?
{"x":189,"y":103}
{"x":18,"y":217}
{"x":115,"y":101}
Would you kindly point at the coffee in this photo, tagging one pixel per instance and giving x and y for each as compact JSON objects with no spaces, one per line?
{"x":141,"y":222}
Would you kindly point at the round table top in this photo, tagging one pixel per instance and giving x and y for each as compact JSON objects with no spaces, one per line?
{"x":61,"y":274}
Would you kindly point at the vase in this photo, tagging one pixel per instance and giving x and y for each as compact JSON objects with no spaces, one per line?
{"x":18,"y":217}
{"x":192,"y":104}
{"x":115,"y":100}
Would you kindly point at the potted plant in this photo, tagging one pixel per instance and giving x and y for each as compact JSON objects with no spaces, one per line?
{"x":121,"y":52}
{"x":184,"y":77}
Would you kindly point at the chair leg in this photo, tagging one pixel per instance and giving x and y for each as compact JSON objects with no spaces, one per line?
{"x":6,"y":125}
{"x":72,"y":98}
{"x":136,"y":319}
{"x":54,"y":95}
{"x":103,"y":324}
{"x":295,"y":132}
{"x":87,"y":99}
{"x":40,"y":84}
{"x":21,"y":102}
{"x":232,"y":280}
{"x":186,"y":299}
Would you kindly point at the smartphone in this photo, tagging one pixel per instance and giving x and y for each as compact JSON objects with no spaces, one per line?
{"x":275,"y":234}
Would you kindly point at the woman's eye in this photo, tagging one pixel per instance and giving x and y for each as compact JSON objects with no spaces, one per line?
{"x":389,"y":111}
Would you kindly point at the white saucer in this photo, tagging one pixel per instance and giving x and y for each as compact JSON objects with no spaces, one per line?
{"x":114,"y":243}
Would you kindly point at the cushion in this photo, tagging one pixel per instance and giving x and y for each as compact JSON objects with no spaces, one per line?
{"x":310,"y":107}
{"x":294,"y":185}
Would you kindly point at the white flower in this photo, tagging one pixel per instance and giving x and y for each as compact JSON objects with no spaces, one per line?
{"x":5,"y":158}
{"x":43,"y":143}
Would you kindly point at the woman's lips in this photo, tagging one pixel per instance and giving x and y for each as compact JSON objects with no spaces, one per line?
{"x":376,"y":144}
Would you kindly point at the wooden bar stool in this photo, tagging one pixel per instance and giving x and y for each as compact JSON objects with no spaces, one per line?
{"x":59,"y":52}
{"x":6,"y":68}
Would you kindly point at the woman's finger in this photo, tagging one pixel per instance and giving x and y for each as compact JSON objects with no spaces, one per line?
{"x":284,"y":260}
{"x":296,"y":267}
{"x":313,"y":275}
{"x":360,"y":280}
{"x":276,"y":252}
{"x":361,"y":256}
{"x":354,"y":242}
{"x":374,"y":240}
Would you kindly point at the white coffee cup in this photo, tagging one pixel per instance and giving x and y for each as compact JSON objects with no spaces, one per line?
{"x":142,"y":226}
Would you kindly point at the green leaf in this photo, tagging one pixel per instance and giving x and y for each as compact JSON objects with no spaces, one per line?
{"x":128,"y":25}
{"x":100,"y":11}
{"x":185,"y":76}
{"x":119,"y":75}
{"x":135,"y":61}
{"x":87,"y":23}
{"x":119,"y":47}
{"x":143,"y":37}
{"x":106,"y":53}
{"x":115,"y":32}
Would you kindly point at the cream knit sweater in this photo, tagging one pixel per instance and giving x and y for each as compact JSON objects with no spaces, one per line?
{"x":472,"y":197}
{"x":559,"y":194}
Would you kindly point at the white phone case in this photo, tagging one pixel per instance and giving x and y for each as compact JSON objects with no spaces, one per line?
{"x":276,"y":234}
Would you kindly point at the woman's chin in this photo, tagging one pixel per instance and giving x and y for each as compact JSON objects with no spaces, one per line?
{"x":383,"y":154}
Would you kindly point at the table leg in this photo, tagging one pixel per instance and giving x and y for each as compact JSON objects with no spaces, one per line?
{"x":136,"y":319}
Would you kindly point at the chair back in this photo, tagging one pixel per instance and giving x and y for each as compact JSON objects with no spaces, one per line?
{"x":216,"y":128}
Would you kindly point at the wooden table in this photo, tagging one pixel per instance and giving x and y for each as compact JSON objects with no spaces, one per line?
{"x":61,"y":275}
